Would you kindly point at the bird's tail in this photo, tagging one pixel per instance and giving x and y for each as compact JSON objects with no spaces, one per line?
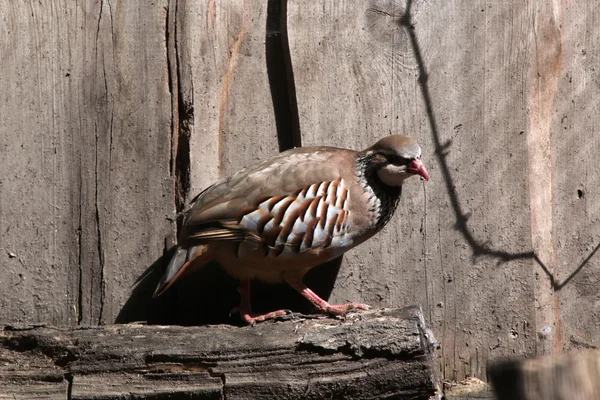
{"x":180,"y":264}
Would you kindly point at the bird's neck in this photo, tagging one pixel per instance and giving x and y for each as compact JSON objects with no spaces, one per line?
{"x":383,"y":199}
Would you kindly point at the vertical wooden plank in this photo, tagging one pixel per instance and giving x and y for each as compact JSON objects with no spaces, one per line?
{"x":85,"y":156}
{"x":40,"y":168}
{"x":365,"y":72}
{"x":222,"y":82}
{"x":544,"y":74}
{"x":575,"y":177}
{"x":222,"y":70}
{"x":134,"y":202}
{"x":247,"y":129}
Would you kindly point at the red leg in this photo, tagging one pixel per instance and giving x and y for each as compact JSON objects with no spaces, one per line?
{"x":245,"y":309}
{"x":335,"y":309}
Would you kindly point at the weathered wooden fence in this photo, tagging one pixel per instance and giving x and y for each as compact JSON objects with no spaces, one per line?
{"x":113,"y":113}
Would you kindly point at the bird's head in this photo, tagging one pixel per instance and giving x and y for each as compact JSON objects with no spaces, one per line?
{"x":396,"y":158}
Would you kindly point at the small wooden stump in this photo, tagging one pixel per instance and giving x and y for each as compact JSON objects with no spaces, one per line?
{"x":375,"y":354}
{"x":552,"y":377}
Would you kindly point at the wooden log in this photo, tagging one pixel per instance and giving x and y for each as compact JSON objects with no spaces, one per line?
{"x":552,"y":377}
{"x":384,"y":353}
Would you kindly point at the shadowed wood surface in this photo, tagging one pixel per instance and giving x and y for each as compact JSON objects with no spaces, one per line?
{"x":369,"y":355}
{"x":113,"y":114}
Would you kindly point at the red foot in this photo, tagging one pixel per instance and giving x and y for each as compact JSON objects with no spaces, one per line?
{"x":252,"y":319}
{"x":335,"y":309}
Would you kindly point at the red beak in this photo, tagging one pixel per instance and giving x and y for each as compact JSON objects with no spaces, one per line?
{"x":417,"y":167}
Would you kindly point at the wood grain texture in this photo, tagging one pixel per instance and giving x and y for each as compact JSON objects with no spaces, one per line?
{"x":40,"y":189}
{"x":544,"y":72}
{"x":371,"y":355}
{"x":85,"y":153}
{"x":575,"y":156}
{"x":222,"y":69}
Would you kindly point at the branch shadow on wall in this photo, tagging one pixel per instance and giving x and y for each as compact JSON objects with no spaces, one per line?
{"x":478,"y":247}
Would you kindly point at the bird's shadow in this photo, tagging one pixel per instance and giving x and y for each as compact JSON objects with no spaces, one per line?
{"x":208,"y":295}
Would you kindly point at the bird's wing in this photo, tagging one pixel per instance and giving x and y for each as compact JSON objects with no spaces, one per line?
{"x":296,"y":199}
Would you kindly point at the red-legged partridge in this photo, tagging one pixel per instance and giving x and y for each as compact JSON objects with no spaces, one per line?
{"x":280,"y":218}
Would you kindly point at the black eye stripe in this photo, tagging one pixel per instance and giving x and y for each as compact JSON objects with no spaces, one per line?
{"x":397,"y":160}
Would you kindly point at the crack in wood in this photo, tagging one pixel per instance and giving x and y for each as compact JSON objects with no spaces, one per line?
{"x":99,"y":275}
{"x":100,"y":247}
{"x":112,"y":25}
{"x":99,"y":21}
{"x":69,"y":379}
{"x":385,"y":13}
{"x":424,"y":254}
{"x":171,"y":86}
{"x":182,"y":116}
{"x":80,"y":252}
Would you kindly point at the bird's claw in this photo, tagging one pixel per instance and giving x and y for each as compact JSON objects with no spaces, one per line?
{"x":341,"y":309}
{"x":252,"y":318}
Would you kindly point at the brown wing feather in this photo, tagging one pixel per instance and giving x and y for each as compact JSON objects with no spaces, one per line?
{"x":278,"y":176}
